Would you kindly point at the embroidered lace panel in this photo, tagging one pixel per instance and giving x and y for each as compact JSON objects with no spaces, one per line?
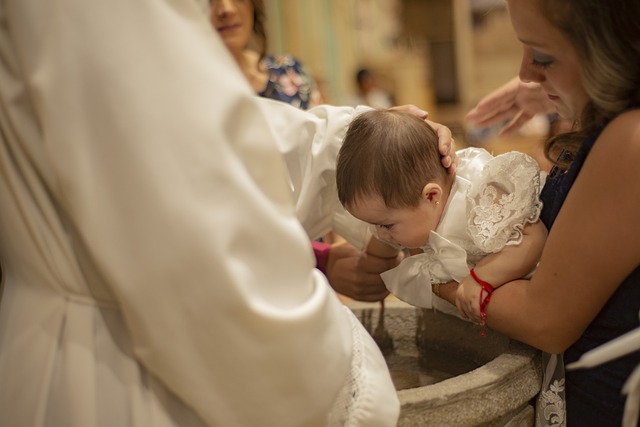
{"x":503,"y":201}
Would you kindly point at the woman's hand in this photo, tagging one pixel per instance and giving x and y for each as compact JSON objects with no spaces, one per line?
{"x":515,"y":101}
{"x":447,"y":291}
{"x":468,"y":299}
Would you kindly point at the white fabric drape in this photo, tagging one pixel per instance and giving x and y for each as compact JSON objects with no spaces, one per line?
{"x":155,"y":270}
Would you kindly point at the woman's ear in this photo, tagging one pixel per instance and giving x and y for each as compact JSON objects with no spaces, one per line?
{"x":432,"y":193}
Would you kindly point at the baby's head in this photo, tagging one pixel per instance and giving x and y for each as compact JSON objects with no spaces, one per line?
{"x":389,"y":174}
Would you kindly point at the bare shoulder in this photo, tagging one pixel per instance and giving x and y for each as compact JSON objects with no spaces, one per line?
{"x":618,"y":148}
{"x":623,"y":133}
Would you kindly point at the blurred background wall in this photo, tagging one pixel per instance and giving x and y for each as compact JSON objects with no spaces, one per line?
{"x":442,"y":55}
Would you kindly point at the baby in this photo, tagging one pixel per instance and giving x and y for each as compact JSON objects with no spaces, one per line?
{"x":479,"y":226}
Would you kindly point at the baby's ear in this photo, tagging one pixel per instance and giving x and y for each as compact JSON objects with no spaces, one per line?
{"x":432,"y":193}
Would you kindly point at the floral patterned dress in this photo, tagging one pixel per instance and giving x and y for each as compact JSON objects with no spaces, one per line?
{"x":288,"y":81}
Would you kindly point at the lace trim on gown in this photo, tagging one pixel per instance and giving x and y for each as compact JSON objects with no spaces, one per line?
{"x":551,"y":402}
{"x":503,"y":201}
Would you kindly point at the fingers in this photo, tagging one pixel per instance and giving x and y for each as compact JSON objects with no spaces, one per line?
{"x":467,"y":302}
{"x":490,"y":110}
{"x":461,"y":310}
{"x":367,"y":287}
{"x":516,"y":123}
{"x":461,"y":304}
{"x":494,"y":116}
{"x":446,"y":146}
{"x":445,"y":137}
{"x":372,"y":264}
{"x":496,"y":106}
{"x":347,"y":280}
{"x":472,"y":312}
{"x":450,"y":161}
{"x":454,"y":166}
{"x":372,"y":294}
{"x":366,"y":294}
{"x":466,"y":312}
{"x":411,"y":109}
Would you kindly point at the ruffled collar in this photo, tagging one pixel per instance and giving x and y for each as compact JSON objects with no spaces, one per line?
{"x":452,"y":228}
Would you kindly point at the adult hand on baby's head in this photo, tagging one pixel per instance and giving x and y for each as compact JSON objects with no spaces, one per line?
{"x":446,"y":144}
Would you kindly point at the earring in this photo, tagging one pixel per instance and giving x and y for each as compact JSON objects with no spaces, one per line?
{"x":437,"y":203}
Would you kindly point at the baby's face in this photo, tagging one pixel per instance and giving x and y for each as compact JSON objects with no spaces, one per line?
{"x":406,"y":227}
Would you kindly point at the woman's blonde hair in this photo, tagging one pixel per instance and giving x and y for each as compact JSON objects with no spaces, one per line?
{"x":606,"y":37}
{"x":259,"y":26}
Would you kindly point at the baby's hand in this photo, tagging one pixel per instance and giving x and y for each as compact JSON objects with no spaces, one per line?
{"x":468,"y":299}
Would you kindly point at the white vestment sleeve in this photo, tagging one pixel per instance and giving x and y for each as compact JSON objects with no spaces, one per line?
{"x":163,"y":166}
{"x":310,"y":142}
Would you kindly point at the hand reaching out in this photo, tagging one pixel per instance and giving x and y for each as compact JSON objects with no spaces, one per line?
{"x":515,"y":101}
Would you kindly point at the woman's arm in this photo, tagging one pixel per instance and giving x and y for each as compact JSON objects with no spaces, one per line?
{"x":593,"y":246}
{"x":512,"y":262}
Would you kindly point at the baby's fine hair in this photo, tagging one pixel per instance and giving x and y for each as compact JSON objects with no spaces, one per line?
{"x":391,"y":154}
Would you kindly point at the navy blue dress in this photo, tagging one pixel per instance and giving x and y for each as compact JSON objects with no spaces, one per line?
{"x":594,"y":395}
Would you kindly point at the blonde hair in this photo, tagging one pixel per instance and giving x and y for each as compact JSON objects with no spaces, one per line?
{"x":606,"y":37}
{"x":259,"y":26}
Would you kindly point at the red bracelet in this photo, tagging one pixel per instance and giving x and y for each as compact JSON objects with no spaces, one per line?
{"x":484,"y":300}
